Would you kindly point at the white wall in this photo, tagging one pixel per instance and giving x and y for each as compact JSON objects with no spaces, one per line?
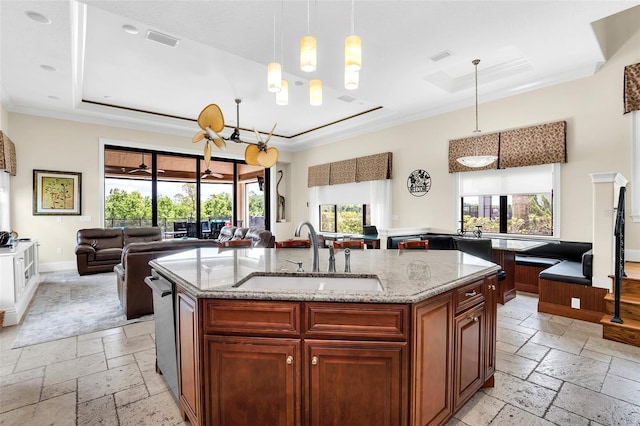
{"x":598,"y":140}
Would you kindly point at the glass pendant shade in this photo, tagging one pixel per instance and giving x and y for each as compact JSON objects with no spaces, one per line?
{"x":476,"y":161}
{"x":282,"y":97}
{"x":308,"y":53}
{"x":315,"y":92}
{"x":274,"y":77}
{"x":351,"y":79}
{"x":353,"y":53}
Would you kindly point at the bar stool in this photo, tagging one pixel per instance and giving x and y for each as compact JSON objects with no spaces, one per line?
{"x":413,"y":244}
{"x":356,"y":244}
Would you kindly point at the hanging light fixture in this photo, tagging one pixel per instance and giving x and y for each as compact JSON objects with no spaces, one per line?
{"x":315,"y":92}
{"x":308,"y":49}
{"x":274,"y":69}
{"x":476,"y":160}
{"x":352,"y":47}
{"x":351,"y":79}
{"x":282,"y":97}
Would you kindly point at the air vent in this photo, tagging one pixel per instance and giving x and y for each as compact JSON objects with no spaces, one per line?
{"x":347,"y":98}
{"x":162,"y":38}
{"x":440,"y":56}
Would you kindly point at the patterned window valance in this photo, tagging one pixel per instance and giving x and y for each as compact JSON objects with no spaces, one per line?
{"x":632,"y":88}
{"x":7,"y":154}
{"x":527,"y":146}
{"x":370,"y":167}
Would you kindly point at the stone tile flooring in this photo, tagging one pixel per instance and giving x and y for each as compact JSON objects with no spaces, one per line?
{"x":551,"y":370}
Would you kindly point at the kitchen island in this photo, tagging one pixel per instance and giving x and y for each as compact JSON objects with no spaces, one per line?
{"x":257,"y":345}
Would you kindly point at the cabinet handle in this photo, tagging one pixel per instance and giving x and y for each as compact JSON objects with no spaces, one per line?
{"x":290,"y":360}
{"x":475,"y":319}
{"x":492,"y":287}
{"x":314,"y":360}
{"x":470,"y":293}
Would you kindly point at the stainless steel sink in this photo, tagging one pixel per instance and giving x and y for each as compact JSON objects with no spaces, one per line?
{"x":310,"y":283}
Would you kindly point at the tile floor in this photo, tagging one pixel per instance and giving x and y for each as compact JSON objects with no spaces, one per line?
{"x":551,"y":370}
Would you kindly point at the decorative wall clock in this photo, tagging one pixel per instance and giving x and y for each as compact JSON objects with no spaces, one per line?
{"x":419,"y":183}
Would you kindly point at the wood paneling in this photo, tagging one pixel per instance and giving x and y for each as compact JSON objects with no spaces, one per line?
{"x":555,"y":298}
{"x":526,"y":278}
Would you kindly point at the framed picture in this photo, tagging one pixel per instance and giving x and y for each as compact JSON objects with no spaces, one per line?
{"x":56,"y":193}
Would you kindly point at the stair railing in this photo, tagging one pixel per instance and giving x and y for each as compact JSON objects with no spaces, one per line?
{"x":619,"y":260}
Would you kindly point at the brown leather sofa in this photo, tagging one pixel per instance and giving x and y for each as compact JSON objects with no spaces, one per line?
{"x":258,"y":237}
{"x":135,"y":296}
{"x":100,"y":249}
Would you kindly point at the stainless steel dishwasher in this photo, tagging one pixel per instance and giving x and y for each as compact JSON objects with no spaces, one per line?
{"x":165,"y":327}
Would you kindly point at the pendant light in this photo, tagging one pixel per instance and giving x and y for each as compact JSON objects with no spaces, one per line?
{"x":476,"y":160}
{"x":352,"y":47}
{"x":308,"y":49}
{"x":351,"y":79}
{"x":274,"y":69}
{"x":315,"y":92}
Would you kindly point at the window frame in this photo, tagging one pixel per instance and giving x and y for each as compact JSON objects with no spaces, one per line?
{"x":335,"y":216}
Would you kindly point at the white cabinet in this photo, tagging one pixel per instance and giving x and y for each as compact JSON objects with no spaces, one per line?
{"x":19,"y":279}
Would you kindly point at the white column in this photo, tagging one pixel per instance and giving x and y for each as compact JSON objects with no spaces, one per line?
{"x":606,"y":187}
{"x":5,"y":201}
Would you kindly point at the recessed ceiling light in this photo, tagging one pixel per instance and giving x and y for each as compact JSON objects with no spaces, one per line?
{"x":298,"y":83}
{"x":52,"y":97}
{"x":127,"y":28}
{"x":107,"y":96}
{"x":38,"y":17}
{"x":48,"y":67}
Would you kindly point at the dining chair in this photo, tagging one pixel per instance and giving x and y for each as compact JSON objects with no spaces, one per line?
{"x":413,"y":244}
{"x":356,"y":244}
{"x":293,"y":244}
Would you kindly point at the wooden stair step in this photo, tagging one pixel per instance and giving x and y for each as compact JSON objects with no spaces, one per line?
{"x":628,"y":332}
{"x":629,"y":306}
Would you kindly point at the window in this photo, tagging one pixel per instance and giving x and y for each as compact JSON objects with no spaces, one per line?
{"x":517,"y":201}
{"x":344,"y":218}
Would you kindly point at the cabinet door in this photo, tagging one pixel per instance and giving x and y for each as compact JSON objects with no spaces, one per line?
{"x":469,"y":354}
{"x":251,"y":381}
{"x":432,"y":377}
{"x":490,"y":331}
{"x":356,"y":383}
{"x":187,"y":356}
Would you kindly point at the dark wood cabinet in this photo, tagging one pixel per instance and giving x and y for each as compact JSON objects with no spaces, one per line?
{"x":355,"y":383}
{"x":249,"y":379}
{"x":432,"y":378}
{"x":247,"y":362}
{"x":469,"y":354}
{"x":507,"y":287}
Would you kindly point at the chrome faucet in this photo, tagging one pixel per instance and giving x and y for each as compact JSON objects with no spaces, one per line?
{"x":314,"y":242}
{"x":332,"y":260}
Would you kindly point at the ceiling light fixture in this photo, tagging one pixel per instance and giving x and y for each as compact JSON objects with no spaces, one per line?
{"x":38,"y":17}
{"x":315,"y":92}
{"x":476,"y":160}
{"x":352,"y":47}
{"x":351,"y":79}
{"x":274,"y":69}
{"x":129,"y":29}
{"x":282,"y":97}
{"x":308,"y":49}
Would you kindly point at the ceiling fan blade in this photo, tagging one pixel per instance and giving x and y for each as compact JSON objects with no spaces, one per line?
{"x":251,"y":155}
{"x":207,"y":154}
{"x":199,"y":136}
{"x":211,"y":116}
{"x":217,"y":139}
{"x":270,"y":133}
{"x":267,"y":158}
{"x":258,"y":136}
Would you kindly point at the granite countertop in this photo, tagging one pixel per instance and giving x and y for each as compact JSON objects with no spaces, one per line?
{"x":406,"y":276}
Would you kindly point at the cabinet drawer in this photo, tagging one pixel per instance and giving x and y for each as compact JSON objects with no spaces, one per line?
{"x":469,"y":295}
{"x":251,"y":317}
{"x":367,"y":321}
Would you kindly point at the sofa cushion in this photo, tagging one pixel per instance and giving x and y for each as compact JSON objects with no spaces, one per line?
{"x":439,"y":242}
{"x":587,"y":263}
{"x":538,"y":262}
{"x":565,"y":250}
{"x":566,"y":271}
{"x":100,"y":238}
{"x":239,"y":234}
{"x":259,"y":237}
{"x":141,"y":234}
{"x":226,"y":233}
{"x":108,"y":254}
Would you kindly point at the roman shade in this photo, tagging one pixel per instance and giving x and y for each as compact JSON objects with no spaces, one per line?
{"x":632,"y":88}
{"x":526,"y":146}
{"x":7,"y":154}
{"x":361,"y":169}
{"x":530,"y":146}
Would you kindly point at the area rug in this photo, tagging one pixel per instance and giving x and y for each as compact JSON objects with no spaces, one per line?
{"x":67,"y":304}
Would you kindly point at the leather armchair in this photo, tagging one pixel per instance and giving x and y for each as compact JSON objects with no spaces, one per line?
{"x":98,"y":250}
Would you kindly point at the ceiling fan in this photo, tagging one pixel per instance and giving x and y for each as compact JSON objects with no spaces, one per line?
{"x":211,"y":122}
{"x":208,"y":173}
{"x":144,"y":168}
